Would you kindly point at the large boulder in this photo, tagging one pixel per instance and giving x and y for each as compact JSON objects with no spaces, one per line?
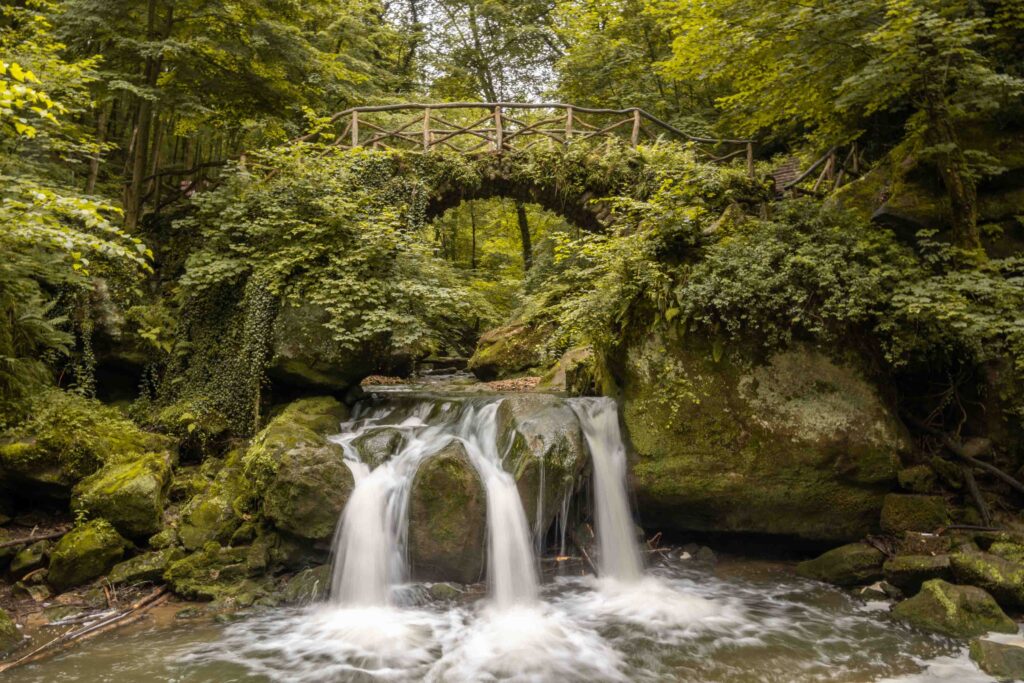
{"x":85,"y":553}
{"x":67,"y":439}
{"x":1003,"y":578}
{"x":908,"y":572}
{"x":1000,"y":656}
{"x":848,"y":565}
{"x":795,"y":443}
{"x":542,"y":445}
{"x":145,"y":568}
{"x":10,"y":636}
{"x":217,"y":573}
{"x":130,"y":494}
{"x":447,"y":518}
{"x":958,"y":611}
{"x":210,"y":515}
{"x":506,"y":351}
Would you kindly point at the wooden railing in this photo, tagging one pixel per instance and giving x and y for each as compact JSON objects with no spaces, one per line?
{"x":470,"y":127}
{"x":831,"y":171}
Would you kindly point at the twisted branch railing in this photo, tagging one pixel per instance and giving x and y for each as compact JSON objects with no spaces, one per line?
{"x":506,"y":126}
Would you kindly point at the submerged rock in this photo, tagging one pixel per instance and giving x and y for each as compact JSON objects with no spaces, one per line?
{"x":908,"y":572}
{"x":145,"y":568}
{"x":1000,"y":577}
{"x":378,"y":445}
{"x":913,"y":512}
{"x":10,"y":636}
{"x":85,"y":553}
{"x":958,"y":611}
{"x":447,"y":518}
{"x":1002,"y":658}
{"x":541,"y":443}
{"x":794,"y":444}
{"x":847,"y":565}
{"x":130,"y":494}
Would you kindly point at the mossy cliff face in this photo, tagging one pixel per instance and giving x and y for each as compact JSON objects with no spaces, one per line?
{"x":447,"y":518}
{"x":67,"y":439}
{"x":541,"y":441}
{"x":794,"y":444}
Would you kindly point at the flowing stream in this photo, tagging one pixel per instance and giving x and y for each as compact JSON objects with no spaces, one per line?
{"x":737,"y":621}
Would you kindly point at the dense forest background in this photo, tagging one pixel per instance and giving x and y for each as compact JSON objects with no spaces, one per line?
{"x":128,"y":131}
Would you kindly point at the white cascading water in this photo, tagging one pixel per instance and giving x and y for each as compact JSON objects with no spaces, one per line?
{"x":369,"y":544}
{"x":619,"y":553}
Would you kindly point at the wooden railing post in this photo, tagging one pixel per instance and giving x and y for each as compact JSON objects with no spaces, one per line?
{"x":498,"y":137}
{"x":426,"y":129}
{"x":635,"y":137}
{"x":568,"y":125}
{"x":355,"y":129}
{"x":750,"y":159}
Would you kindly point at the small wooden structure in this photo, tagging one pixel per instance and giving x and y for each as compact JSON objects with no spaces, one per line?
{"x":470,"y":127}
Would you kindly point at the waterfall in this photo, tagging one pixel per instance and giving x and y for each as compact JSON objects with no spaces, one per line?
{"x":370,"y":540}
{"x":619,"y":552}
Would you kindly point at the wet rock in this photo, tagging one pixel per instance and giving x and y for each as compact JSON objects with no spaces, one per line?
{"x":958,"y":611}
{"x":214,"y":573}
{"x":542,"y":444}
{"x":378,"y":445}
{"x":1000,"y":577}
{"x":145,"y":568}
{"x":211,"y":516}
{"x":10,"y":636}
{"x":306,"y":356}
{"x":129,"y":494}
{"x":913,"y":512}
{"x":575,"y":373}
{"x":309,"y":585}
{"x":1000,"y":657}
{"x":917,"y":479}
{"x":847,"y":565}
{"x":700,"y":553}
{"x":85,"y":553}
{"x":444,"y":591}
{"x":908,"y":572}
{"x":447,"y":518}
{"x":794,"y":444}
{"x":69,"y":438}
{"x":29,"y":559}
{"x":879,"y":590}
{"x":508,"y":350}
{"x":35,"y":592}
{"x":918,"y":543}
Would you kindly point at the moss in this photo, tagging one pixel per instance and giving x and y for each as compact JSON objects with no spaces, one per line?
{"x":129,"y":494}
{"x":789,"y":446}
{"x":213,"y":573}
{"x":322,"y":414}
{"x":507,"y":351}
{"x":145,"y":568}
{"x":447,"y":518}
{"x":10,"y":636}
{"x":1002,"y":659}
{"x":908,"y":572}
{"x":211,"y":516}
{"x":309,"y":585}
{"x":84,"y":553}
{"x":1000,"y":577}
{"x":912,"y":512}
{"x":29,"y":559}
{"x":68,"y":438}
{"x":575,"y":373}
{"x":308,"y":492}
{"x":917,"y":479}
{"x":958,"y":611}
{"x":1014,"y":552}
{"x":848,"y":565}
{"x":165,"y":538}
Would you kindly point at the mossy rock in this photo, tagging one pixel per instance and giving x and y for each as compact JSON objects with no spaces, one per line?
{"x":29,"y":559}
{"x":309,"y":491}
{"x":918,"y":479}
{"x":1000,"y":577}
{"x":165,"y":538}
{"x":507,"y":351}
{"x":575,"y":373}
{"x":957,"y":611}
{"x":1000,"y":657}
{"x":913,"y":512}
{"x":68,"y":438}
{"x":795,"y":444}
{"x":541,"y":442}
{"x":322,"y":414}
{"x":85,"y":553}
{"x":848,"y":565}
{"x":447,"y":518}
{"x":211,"y":515}
{"x":378,"y":445}
{"x":309,"y":585}
{"x":908,"y":572}
{"x":213,"y":573}
{"x":10,"y":636}
{"x":145,"y":568}
{"x":129,"y":494}
{"x":1014,"y":552}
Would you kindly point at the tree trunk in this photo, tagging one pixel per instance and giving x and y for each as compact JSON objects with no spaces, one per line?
{"x":101,"y":137}
{"x":524,"y":234}
{"x":472,"y":247}
{"x":956,"y":177}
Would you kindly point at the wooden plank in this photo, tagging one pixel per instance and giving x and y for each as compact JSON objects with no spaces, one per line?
{"x":426,"y":130}
{"x":499,"y":143}
{"x":355,"y":129}
{"x":635,"y":137}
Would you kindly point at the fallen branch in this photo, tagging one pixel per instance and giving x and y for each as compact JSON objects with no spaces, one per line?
{"x":33,"y":539}
{"x":979,"y":502}
{"x":589,"y":561}
{"x":132,"y":614}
